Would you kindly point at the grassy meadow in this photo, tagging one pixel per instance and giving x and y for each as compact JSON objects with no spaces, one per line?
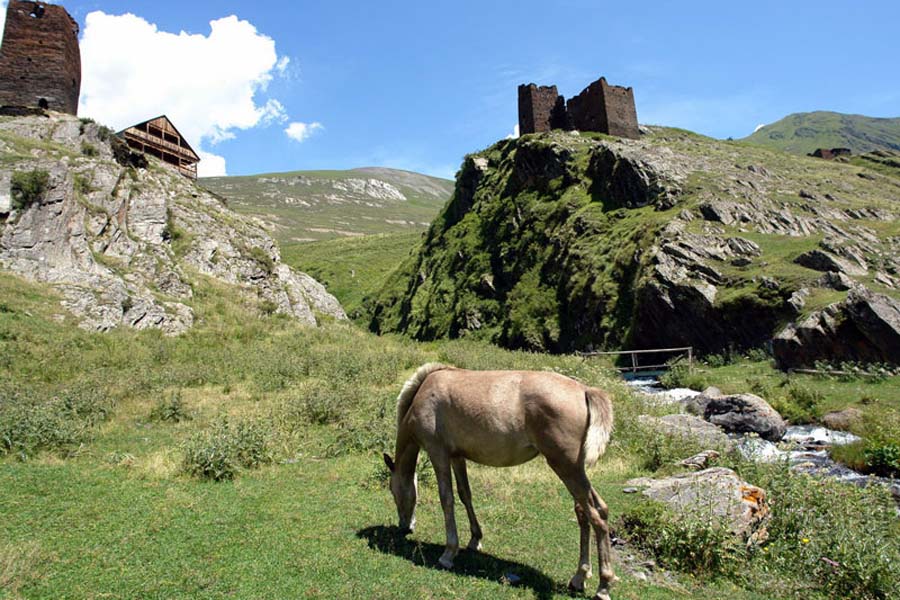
{"x":111,"y":446}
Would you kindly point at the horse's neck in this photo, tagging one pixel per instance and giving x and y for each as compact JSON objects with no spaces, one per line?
{"x":407,"y":453}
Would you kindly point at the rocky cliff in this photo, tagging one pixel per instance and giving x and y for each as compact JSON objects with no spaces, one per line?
{"x":566,"y":242}
{"x":124,"y":239}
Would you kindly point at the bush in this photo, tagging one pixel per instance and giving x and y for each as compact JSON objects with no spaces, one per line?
{"x":28,"y":187}
{"x":830,"y":536}
{"x":883,"y":459}
{"x":800,"y":404}
{"x":681,"y":375}
{"x":219,"y":453}
{"x":700,"y":547}
{"x":170,"y":409}
{"x":263,"y":259}
{"x":29,"y":425}
{"x":89,"y":150}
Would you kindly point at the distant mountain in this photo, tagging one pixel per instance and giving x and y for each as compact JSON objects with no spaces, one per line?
{"x":803,"y":133}
{"x":316,"y":205}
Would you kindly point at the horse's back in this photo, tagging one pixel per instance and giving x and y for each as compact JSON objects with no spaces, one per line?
{"x":499,"y":418}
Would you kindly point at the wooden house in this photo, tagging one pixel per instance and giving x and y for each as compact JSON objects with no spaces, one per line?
{"x":158,"y":137}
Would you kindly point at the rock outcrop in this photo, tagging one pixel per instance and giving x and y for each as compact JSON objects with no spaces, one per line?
{"x":124,"y":245}
{"x":564,"y":241}
{"x":716,"y":493}
{"x":863,"y":328}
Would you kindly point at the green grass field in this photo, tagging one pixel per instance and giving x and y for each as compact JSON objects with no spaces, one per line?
{"x":96,"y":501}
{"x":352,"y":268}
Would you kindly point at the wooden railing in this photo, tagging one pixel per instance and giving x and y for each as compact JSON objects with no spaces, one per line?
{"x":635,"y":366}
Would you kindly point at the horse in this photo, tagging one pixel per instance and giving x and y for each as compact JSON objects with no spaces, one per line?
{"x":503,"y":419}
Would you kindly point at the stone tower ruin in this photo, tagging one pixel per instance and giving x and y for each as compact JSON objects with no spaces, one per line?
{"x":40,"y":62}
{"x":601,"y":107}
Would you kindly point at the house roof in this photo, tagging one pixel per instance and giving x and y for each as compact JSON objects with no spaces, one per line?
{"x":187,"y":145}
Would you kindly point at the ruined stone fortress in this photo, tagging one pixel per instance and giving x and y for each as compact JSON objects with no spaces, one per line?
{"x":40,"y":62}
{"x":600,"y":107}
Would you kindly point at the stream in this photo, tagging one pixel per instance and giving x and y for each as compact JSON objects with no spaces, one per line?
{"x":808,"y":444}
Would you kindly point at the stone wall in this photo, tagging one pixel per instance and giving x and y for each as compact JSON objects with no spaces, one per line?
{"x":541,"y":109}
{"x":40,"y":62}
{"x":600,"y":107}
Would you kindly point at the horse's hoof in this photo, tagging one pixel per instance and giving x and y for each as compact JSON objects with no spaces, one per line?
{"x":575,"y":586}
{"x":446,"y":560}
{"x":602,"y":596}
{"x":474,"y":545}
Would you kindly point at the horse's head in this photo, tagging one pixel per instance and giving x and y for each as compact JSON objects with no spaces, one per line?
{"x":405,"y":490}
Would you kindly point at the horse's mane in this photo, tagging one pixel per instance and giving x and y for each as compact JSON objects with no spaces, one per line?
{"x":412,"y":386}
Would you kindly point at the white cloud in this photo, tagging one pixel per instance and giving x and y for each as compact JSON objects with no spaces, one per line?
{"x":3,"y":4}
{"x":301,"y":131}
{"x":207,"y":84}
{"x":515,"y":133}
{"x":758,"y":127}
{"x":211,"y":165}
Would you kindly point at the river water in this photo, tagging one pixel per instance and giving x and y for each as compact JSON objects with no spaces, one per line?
{"x":804,"y":447}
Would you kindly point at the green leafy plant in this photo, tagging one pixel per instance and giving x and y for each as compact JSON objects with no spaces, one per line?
{"x":28,"y":187}
{"x":170,"y":409}
{"x":89,"y":150}
{"x":220,"y":452}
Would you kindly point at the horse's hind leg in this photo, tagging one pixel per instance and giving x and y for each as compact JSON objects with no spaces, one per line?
{"x":465,"y":494}
{"x":441,"y":463}
{"x":576,"y":584}
{"x":597,"y":514}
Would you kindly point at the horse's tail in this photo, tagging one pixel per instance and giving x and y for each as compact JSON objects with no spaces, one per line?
{"x":412,"y":386}
{"x":600,"y":424}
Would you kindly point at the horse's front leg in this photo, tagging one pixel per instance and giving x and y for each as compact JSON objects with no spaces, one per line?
{"x":445,"y":489}
{"x":465,"y":495}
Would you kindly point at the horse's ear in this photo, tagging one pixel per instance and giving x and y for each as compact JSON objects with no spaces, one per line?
{"x":389,"y":462}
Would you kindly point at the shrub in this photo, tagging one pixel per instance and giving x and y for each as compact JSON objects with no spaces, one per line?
{"x":170,"y":409}
{"x":704,"y":548}
{"x":681,"y":375}
{"x":28,"y":187}
{"x":830,"y":536}
{"x":883,"y":459}
{"x":800,"y":404}
{"x":219,"y":453}
{"x":89,"y":150}
{"x":262,"y":258}
{"x":29,"y":425}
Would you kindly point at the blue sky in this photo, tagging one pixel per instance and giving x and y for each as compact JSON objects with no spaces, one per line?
{"x":417,"y":85}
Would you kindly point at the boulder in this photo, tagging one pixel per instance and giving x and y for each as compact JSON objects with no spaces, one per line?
{"x":863,"y":328}
{"x":700,"y":461}
{"x":741,"y":413}
{"x":713,"y":493}
{"x":687,"y":427}
{"x":820,"y":260}
{"x":842,"y":420}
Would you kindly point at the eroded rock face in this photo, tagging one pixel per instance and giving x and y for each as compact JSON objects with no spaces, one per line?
{"x":863,"y":328}
{"x":716,"y":493}
{"x":121,"y":243}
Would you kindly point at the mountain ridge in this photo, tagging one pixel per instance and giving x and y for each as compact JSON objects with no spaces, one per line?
{"x":803,"y":133}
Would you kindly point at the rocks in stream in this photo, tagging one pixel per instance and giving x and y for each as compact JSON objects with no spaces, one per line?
{"x":739,"y":413}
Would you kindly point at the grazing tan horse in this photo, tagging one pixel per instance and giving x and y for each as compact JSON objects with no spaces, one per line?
{"x":502,"y":419}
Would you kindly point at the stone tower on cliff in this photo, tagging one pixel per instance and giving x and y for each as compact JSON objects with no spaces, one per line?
{"x":600,"y":107}
{"x":40,"y":62}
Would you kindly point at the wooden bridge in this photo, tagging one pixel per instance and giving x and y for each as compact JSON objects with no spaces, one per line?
{"x":687,"y":352}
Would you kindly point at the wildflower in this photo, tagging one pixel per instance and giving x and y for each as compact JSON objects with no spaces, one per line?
{"x":805,"y":540}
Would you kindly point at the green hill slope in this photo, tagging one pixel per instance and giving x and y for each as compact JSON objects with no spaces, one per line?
{"x":316,"y":205}
{"x":557,"y":242}
{"x":803,"y":133}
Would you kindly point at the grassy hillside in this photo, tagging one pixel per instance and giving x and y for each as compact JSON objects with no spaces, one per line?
{"x":802,"y":133}
{"x":100,"y":433}
{"x":559,"y":242}
{"x":352,"y":268}
{"x":316,"y":205}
